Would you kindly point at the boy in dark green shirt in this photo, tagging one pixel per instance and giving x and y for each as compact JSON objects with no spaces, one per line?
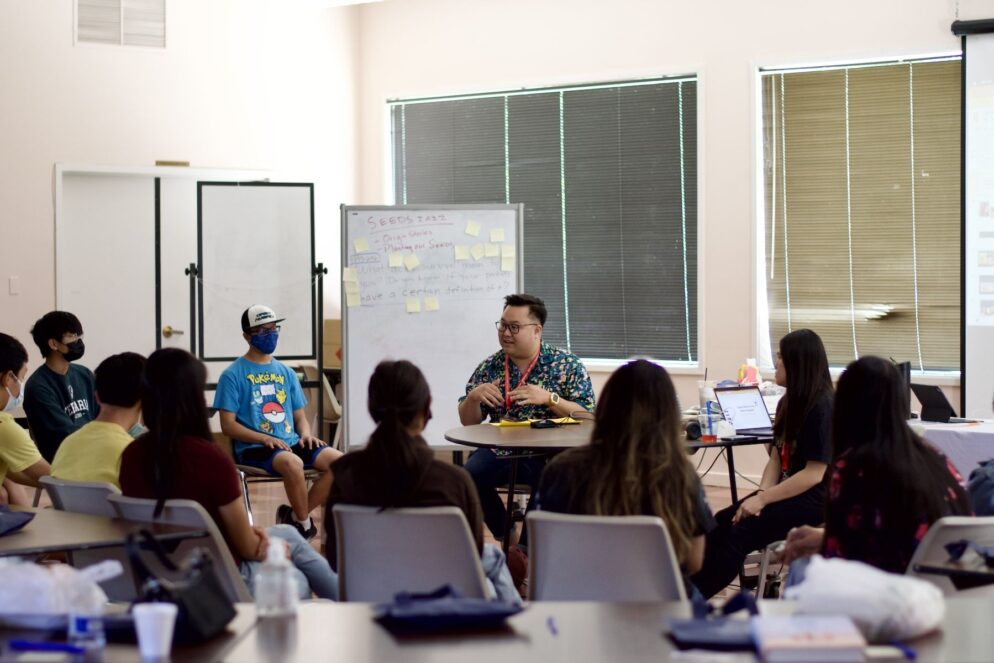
{"x":59,"y":395}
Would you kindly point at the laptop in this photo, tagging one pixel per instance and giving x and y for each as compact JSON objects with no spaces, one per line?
{"x":935,"y":405}
{"x":745,"y":410}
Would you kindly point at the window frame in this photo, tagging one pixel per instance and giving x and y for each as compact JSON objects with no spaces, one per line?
{"x":695,"y":73}
{"x":760,"y":327}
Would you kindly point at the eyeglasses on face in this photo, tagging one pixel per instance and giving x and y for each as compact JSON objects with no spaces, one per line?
{"x":265,"y":329}
{"x":512,"y":327}
{"x":70,"y":337}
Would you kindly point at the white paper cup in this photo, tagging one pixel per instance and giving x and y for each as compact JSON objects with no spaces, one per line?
{"x":154,"y":623}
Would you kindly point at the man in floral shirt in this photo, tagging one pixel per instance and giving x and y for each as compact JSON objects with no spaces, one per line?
{"x":526,"y":379}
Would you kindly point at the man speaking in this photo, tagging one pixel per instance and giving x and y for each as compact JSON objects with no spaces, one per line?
{"x":526,"y":379}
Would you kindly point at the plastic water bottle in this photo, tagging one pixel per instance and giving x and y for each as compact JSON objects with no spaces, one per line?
{"x":275,"y":583}
{"x":86,"y":630}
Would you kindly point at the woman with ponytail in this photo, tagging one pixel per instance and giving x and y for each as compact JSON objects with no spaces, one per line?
{"x":177,"y":459}
{"x":398,"y":469}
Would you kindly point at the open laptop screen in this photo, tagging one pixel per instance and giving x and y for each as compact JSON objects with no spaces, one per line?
{"x":743,"y":408}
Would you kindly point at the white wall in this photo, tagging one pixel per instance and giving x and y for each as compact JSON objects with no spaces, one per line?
{"x":427,"y":47}
{"x":256,"y":84}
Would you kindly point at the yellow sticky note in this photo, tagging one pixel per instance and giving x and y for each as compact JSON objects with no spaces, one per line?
{"x":476,"y":251}
{"x":507,"y":251}
{"x":431,"y":303}
{"x":492,"y":250}
{"x":473,"y":228}
{"x":352,"y":287}
{"x":413,"y":305}
{"x":497,"y":235}
{"x":462,"y":252}
{"x":352,"y":299}
{"x":411,"y":262}
{"x":361,"y":244}
{"x":507,"y":264}
{"x":396,"y":260}
{"x":349,"y":274}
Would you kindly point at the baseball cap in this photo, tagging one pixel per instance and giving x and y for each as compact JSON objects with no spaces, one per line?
{"x":258,"y":315}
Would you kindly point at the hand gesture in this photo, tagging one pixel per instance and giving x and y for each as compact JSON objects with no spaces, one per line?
{"x":263,"y":545}
{"x":750,"y":506}
{"x":803,"y":541}
{"x":311,"y":442}
{"x":276,"y":443}
{"x":530,"y":394}
{"x":487,"y":394}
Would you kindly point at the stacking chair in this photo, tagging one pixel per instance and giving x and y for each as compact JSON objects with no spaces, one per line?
{"x":90,"y":497}
{"x":80,"y":496}
{"x":601,"y":558}
{"x":249,"y":474}
{"x":189,"y":514}
{"x":943,"y":531}
{"x":383,"y":552}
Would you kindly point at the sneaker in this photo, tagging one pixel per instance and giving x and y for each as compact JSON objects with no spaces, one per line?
{"x":308,"y":533}
{"x":284,"y":515}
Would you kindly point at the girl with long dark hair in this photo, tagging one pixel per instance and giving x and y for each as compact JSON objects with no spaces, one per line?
{"x":791,"y":492}
{"x":636,"y":463}
{"x":886,"y":485}
{"x":178,"y":459}
{"x":398,"y":469}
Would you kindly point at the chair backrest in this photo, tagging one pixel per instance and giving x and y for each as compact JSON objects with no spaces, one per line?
{"x":601,"y":558}
{"x":190,"y":514}
{"x":943,"y":531}
{"x":80,"y":496}
{"x":332,"y":408}
{"x":383,"y":552}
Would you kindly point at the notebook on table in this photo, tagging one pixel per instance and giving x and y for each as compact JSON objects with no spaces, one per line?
{"x":745,"y":410}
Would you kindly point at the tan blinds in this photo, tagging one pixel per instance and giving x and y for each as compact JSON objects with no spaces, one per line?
{"x":862,"y":213}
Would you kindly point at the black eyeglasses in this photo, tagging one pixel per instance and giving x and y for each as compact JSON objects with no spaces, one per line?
{"x":512,"y":327}
{"x":957,"y":549}
{"x":264,"y":330}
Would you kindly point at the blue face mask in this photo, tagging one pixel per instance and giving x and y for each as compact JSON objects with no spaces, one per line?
{"x":137,"y":430}
{"x":265,"y":342}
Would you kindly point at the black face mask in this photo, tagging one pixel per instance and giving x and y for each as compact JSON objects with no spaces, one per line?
{"x":76,"y":350}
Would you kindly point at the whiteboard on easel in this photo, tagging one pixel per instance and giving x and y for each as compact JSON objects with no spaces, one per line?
{"x":424,"y":284}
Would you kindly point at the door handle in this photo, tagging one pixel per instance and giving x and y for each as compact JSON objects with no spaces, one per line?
{"x":168,"y":331}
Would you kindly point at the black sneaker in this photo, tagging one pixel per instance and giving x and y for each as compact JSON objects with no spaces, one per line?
{"x":308,"y":533}
{"x":284,"y":515}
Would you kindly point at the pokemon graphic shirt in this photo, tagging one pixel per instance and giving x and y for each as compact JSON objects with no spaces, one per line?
{"x":263,"y":398}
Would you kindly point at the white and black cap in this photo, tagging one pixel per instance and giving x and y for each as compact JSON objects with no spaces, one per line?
{"x":258,"y":315}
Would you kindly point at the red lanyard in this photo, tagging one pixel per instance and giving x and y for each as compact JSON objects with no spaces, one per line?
{"x":524,"y":376}
{"x":784,"y":457}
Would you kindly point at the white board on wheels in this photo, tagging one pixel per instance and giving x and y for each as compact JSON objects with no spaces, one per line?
{"x":424,"y":284}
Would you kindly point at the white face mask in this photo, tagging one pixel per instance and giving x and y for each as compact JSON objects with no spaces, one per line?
{"x":15,"y":402}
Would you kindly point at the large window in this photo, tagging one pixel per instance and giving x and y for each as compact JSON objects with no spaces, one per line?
{"x":608,"y":178}
{"x":862,"y":209}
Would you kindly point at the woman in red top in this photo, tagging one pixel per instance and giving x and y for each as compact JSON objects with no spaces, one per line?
{"x":177,"y":459}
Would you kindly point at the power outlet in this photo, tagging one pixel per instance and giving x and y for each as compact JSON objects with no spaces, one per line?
{"x":14,"y":285}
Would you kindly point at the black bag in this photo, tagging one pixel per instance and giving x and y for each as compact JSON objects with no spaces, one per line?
{"x":204,"y":608}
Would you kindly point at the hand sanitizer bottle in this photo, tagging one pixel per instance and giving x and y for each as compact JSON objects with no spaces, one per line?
{"x":275,"y":583}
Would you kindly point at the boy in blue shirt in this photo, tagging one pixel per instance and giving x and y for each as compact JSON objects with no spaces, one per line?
{"x":261,"y":406}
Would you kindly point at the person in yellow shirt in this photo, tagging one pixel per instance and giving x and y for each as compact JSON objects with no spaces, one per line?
{"x":20,"y":459}
{"x":93,"y":453}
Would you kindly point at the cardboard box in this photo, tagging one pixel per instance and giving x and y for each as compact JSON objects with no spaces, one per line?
{"x":332,"y":343}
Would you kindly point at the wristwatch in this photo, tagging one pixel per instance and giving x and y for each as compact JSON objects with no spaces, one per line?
{"x":553,"y":399}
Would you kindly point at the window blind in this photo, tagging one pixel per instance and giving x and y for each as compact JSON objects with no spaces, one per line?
{"x":608,"y":178}
{"x":862,"y":214}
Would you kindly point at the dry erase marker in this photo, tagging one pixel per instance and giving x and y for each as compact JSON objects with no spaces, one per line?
{"x":551,"y":623}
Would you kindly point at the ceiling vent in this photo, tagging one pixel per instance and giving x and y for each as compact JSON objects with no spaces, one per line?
{"x":121,"y":22}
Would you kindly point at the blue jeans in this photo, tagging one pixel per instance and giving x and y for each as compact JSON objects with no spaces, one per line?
{"x":498,"y":575}
{"x":310,"y":567}
{"x":490,"y":472}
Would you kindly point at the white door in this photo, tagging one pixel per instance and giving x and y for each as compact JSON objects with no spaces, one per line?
{"x":107,"y":271}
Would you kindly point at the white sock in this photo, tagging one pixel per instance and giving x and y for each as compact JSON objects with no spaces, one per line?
{"x":305,"y":523}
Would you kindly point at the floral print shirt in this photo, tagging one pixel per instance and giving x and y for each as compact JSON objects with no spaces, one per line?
{"x":557,"y":371}
{"x":854,"y":527}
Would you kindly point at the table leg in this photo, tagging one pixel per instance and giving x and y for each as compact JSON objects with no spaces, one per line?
{"x":509,"y":515}
{"x":457,"y":458}
{"x":730,"y":461}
